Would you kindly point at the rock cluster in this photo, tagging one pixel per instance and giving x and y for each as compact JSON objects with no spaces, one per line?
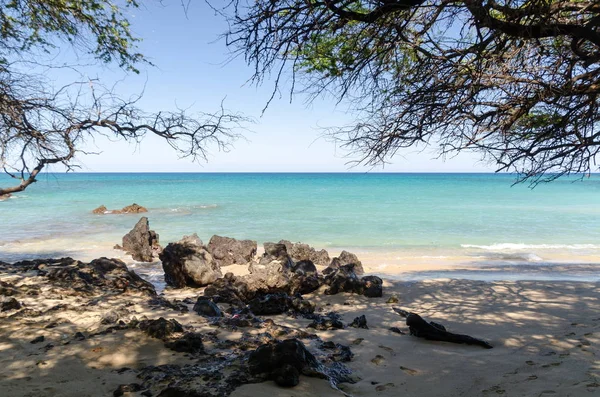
{"x":129,"y":209}
{"x":284,"y":267}
{"x":102,"y":274}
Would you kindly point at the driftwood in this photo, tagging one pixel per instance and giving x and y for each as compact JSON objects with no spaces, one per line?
{"x":434,"y":331}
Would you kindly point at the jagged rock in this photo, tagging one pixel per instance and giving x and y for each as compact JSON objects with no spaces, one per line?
{"x":360,"y":322}
{"x":301,"y":252}
{"x":9,"y":303}
{"x":305,"y":268}
{"x":339,"y":353}
{"x":347,"y":258}
{"x":133,"y":209}
{"x":160,"y":328}
{"x":188,"y":343}
{"x":229,"y":289}
{"x":206,"y":307}
{"x":270,"y":304}
{"x":130,"y":209}
{"x":228,"y":251}
{"x":103,"y":273}
{"x":373,"y":286}
{"x":271,"y":277}
{"x":344,"y":279}
{"x":302,"y":306}
{"x":329,"y":322}
{"x":434,"y":331}
{"x":100,"y":210}
{"x":187,"y":263}
{"x":141,"y":242}
{"x":283,"y":361}
{"x":275,"y":252}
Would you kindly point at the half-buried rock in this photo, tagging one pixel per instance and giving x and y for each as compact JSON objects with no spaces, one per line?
{"x":188,"y":263}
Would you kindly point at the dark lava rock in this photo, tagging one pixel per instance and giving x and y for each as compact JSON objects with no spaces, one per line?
{"x":434,"y":331}
{"x":7,"y":289}
{"x":160,"y":328}
{"x":206,"y":307}
{"x":286,"y":376}
{"x":188,"y":343}
{"x":329,"y":322}
{"x":9,"y":303}
{"x":344,"y":279}
{"x":339,"y":353}
{"x":373,"y":286}
{"x":303,"y":252}
{"x":228,"y":251}
{"x":305,"y":268}
{"x":360,"y":322}
{"x":130,"y":388}
{"x":302,"y":306}
{"x":270,"y":304}
{"x":347,"y":258}
{"x":283,"y":361}
{"x":275,"y":251}
{"x":102,"y":273}
{"x":39,"y":339}
{"x":229,"y":289}
{"x":187,"y":263}
{"x":141,"y":242}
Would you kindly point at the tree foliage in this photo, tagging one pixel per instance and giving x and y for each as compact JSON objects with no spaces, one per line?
{"x":41,"y":126}
{"x":516,"y":80}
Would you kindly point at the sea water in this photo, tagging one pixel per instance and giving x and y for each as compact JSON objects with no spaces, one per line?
{"x":394,"y":220}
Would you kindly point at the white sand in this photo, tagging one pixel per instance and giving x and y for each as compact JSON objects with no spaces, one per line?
{"x":546,"y":338}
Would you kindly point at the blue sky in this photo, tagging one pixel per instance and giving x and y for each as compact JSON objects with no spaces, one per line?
{"x":193,"y":70}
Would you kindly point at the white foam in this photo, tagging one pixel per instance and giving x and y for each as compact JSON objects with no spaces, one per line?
{"x":520,"y":246}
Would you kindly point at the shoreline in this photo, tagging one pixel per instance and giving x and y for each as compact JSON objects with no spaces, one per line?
{"x":410,"y":265}
{"x":546,"y":338}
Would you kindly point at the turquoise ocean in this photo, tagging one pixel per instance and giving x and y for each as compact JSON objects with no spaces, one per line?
{"x":455,"y":225}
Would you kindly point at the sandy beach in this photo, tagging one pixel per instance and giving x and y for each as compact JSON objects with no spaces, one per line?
{"x":545,"y":337}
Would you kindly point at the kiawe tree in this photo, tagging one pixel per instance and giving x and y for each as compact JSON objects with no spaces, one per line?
{"x":516,"y":80}
{"x":41,"y":125}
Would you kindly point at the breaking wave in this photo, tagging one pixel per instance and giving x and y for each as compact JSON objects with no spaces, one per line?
{"x":517,"y":247}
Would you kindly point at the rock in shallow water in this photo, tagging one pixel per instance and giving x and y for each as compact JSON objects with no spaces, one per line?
{"x":141,"y":242}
